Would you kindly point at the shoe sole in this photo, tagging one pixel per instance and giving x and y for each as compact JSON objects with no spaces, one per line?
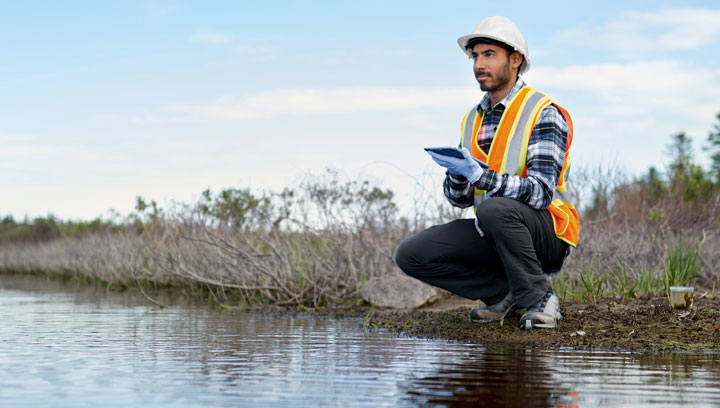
{"x":529,"y":324}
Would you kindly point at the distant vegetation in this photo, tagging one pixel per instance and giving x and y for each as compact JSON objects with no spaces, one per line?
{"x":317,"y":243}
{"x":641,"y":235}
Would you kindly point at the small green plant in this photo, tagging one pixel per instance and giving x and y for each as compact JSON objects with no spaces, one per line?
{"x":681,"y":266}
{"x":621,"y":285}
{"x":657,"y":214}
{"x":590,"y":287}
{"x":367,"y":321}
{"x":563,"y":286}
{"x":648,"y":282}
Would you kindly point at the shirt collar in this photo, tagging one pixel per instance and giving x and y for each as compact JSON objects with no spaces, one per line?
{"x":485,"y":102}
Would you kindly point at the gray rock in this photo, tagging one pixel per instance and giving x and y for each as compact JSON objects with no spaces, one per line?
{"x":398,"y":291}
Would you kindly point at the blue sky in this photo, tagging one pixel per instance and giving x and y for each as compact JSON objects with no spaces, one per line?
{"x":104,"y":101}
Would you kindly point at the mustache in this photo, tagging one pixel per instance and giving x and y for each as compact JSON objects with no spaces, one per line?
{"x":477,"y":73}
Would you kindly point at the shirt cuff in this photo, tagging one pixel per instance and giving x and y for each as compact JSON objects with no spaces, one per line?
{"x":489,"y":181}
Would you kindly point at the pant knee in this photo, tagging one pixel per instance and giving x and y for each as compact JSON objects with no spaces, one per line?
{"x":406,"y":257}
{"x":495,"y":213}
{"x":401,"y":256}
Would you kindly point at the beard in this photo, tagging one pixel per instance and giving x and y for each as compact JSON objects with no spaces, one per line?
{"x":497,"y":81}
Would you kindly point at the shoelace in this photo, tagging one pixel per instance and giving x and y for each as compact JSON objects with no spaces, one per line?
{"x":539,"y":306}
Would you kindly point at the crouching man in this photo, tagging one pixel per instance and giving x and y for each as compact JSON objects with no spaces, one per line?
{"x":511,"y":166}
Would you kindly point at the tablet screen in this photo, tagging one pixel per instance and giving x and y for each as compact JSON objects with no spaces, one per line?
{"x":446,"y":151}
{"x":453,"y":152}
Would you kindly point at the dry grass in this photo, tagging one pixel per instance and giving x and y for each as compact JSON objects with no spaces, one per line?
{"x":318,"y":245}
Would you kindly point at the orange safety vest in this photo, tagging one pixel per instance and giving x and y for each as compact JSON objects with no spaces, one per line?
{"x":508,"y":153}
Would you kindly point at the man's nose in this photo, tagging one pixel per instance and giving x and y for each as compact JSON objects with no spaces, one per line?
{"x":478,"y":64}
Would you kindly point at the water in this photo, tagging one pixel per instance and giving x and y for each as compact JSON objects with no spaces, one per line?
{"x":86,"y":347}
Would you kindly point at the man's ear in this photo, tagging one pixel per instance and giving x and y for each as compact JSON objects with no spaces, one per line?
{"x":516,"y":60}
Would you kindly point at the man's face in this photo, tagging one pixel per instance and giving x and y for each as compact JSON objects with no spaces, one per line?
{"x":491,"y":65}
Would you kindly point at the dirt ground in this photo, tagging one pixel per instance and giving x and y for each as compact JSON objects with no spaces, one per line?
{"x":640,"y":325}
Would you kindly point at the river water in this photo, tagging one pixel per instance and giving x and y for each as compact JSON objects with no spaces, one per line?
{"x":70,"y":346}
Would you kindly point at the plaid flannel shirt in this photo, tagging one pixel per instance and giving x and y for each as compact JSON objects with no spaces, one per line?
{"x":545,"y":156}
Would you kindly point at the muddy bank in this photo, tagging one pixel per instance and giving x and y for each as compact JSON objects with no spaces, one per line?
{"x":642,"y":325}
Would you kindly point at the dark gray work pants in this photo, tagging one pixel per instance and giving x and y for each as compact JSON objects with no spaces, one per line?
{"x":519,"y":243}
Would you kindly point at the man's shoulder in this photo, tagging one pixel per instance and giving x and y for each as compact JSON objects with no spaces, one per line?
{"x":551,"y":113}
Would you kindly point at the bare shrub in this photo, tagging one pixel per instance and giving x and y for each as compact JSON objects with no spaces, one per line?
{"x":637,"y":221}
{"x":318,"y":243}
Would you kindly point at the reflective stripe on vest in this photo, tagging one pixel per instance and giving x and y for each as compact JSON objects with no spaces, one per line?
{"x":508,"y":152}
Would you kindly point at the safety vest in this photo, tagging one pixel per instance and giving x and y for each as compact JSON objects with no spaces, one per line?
{"x":508,"y":153}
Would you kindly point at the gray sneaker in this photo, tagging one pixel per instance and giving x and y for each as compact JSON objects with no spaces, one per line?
{"x":494,"y":312}
{"x":542,"y":315}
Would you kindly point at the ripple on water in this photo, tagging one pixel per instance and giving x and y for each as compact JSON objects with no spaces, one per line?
{"x":75,"y":348}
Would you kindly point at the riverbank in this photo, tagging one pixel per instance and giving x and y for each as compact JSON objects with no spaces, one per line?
{"x":646,"y":325}
{"x":63,"y":339}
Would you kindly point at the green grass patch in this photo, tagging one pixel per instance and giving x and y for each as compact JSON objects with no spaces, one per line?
{"x":682,"y":265}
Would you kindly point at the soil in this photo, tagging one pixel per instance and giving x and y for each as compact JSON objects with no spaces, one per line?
{"x":639,"y":325}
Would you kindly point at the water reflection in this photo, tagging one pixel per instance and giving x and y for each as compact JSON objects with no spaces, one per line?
{"x":511,"y":378}
{"x":83,"y":346}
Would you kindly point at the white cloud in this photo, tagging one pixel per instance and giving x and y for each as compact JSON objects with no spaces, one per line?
{"x":638,"y":87}
{"x":618,"y":90}
{"x":23,"y":151}
{"x":13,"y":137}
{"x":331,"y":101}
{"x":209,"y":37}
{"x":17,"y":145}
{"x":652,"y":33}
{"x":631,"y":109}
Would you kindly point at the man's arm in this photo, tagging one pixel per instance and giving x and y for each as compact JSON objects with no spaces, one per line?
{"x":545,"y":156}
{"x":458,"y":190}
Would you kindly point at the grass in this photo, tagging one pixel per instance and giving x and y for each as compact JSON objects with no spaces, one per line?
{"x":621,"y":285}
{"x":590,"y":287}
{"x":615,"y":281}
{"x":648,"y":282}
{"x":563,"y":286}
{"x":317,"y":246}
{"x":682,"y":265}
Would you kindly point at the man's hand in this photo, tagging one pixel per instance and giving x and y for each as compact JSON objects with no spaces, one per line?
{"x":467,"y":166}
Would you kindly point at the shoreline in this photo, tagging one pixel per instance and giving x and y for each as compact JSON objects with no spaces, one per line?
{"x":640,"y":325}
{"x":646,"y":325}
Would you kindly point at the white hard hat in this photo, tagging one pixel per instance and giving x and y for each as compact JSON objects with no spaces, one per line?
{"x":501,"y":29}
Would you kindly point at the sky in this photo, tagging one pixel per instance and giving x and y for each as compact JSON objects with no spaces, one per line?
{"x":104,"y":101}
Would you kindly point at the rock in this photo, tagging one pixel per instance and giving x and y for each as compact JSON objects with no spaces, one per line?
{"x":397,"y":291}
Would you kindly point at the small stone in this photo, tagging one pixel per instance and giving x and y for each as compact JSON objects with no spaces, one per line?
{"x":577,"y":333}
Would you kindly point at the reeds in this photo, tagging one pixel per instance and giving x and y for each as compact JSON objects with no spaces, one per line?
{"x":317,"y":244}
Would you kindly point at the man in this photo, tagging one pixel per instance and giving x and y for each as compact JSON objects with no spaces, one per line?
{"x":523,"y":227}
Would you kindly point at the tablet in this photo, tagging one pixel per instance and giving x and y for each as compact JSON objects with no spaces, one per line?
{"x":446,"y":151}
{"x":453,"y":152}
